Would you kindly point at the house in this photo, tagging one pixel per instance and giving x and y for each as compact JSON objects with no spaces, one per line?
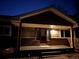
{"x":43,"y":30}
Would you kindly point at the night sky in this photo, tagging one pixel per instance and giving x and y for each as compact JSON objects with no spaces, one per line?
{"x":16,"y":7}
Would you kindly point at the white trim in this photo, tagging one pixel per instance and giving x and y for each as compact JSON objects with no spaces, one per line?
{"x":45,"y":26}
{"x":71,"y":39}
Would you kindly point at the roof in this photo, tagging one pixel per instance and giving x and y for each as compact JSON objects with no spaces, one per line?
{"x":48,"y":15}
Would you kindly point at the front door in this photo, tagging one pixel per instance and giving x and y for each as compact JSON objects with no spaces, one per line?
{"x":42,"y":35}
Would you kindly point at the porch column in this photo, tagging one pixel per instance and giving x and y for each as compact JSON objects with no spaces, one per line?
{"x":71,"y":39}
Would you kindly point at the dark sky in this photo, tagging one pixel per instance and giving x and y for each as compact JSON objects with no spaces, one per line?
{"x":16,"y":7}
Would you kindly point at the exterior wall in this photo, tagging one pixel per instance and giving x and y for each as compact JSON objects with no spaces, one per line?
{"x":77,"y":43}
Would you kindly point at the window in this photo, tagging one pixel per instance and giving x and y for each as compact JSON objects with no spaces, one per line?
{"x":55,"y":33}
{"x":67,"y":33}
{"x":5,"y":30}
{"x":28,"y":32}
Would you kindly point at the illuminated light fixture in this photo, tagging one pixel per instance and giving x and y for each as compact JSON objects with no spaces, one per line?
{"x":53,"y":26}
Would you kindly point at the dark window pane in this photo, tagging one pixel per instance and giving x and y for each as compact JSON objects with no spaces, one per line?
{"x":5,"y":30}
{"x":67,"y":33}
{"x":62,"y":33}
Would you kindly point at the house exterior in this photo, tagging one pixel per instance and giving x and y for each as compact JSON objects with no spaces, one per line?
{"x":44,"y":20}
{"x":46,"y":29}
